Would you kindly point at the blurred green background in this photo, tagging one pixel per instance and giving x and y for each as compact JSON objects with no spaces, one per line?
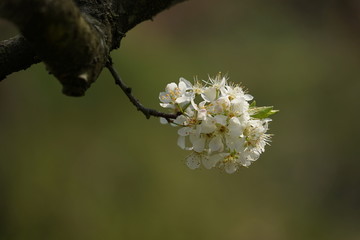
{"x":95,"y":168}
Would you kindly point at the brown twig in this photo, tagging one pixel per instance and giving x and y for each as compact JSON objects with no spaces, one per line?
{"x":148,"y":112}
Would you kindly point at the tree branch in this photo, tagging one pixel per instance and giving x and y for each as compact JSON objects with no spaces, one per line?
{"x":15,"y":54}
{"x":73,"y":37}
{"x":128,"y":91}
{"x":72,"y":49}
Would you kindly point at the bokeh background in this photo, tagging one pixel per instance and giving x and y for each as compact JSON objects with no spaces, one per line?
{"x":95,"y":168}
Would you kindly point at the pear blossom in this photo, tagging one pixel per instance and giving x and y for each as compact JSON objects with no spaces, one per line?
{"x":217,"y":123}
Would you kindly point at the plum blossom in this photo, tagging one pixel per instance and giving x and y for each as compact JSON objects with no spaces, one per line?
{"x":176,"y":94}
{"x":217,"y":123}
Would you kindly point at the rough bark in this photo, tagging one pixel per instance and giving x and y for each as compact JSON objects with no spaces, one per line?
{"x":73,"y":37}
{"x":16,"y":54}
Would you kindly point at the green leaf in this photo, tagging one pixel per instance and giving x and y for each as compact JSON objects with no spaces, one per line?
{"x":253,"y":104}
{"x":272,"y":112}
{"x":262,"y":112}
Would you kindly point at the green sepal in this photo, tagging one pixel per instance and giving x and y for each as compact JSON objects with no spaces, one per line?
{"x":262,"y":112}
{"x":182,"y":109}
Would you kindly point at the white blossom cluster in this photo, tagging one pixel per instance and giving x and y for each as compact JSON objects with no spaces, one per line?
{"x":217,"y":123}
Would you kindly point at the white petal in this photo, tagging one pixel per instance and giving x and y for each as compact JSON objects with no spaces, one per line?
{"x":234,"y":121}
{"x":185,"y":131}
{"x":163,"y":121}
{"x":202,"y":113}
{"x":193,"y":161}
{"x":211,"y":161}
{"x":235,"y":127}
{"x":181,"y":142}
{"x":247,"y":164}
{"x":182,"y":86}
{"x":221,"y":119}
{"x":239,"y":105}
{"x":164,"y":97}
{"x":198,"y":143}
{"x":216,"y":144}
{"x":188,"y":84}
{"x":167,"y":105}
{"x":189,"y":111}
{"x":170,"y":87}
{"x":244,"y":118}
{"x":209,"y":94}
{"x":208,"y":126}
{"x":235,"y":143}
{"x":248,"y":156}
{"x":222,"y":104}
{"x":182,"y":99}
{"x":202,"y":104}
{"x":248,"y":97}
{"x":198,"y":130}
{"x":180,"y":120}
{"x":230,"y":167}
{"x":194,"y":105}
{"x":253,"y":155}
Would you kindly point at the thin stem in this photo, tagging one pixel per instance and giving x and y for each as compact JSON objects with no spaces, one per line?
{"x":148,"y":112}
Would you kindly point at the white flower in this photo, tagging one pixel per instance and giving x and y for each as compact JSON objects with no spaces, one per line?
{"x":186,"y":95}
{"x":214,"y":89}
{"x":201,"y":109}
{"x":219,"y":82}
{"x":175,"y":94}
{"x":220,"y":106}
{"x":239,"y":107}
{"x":228,"y":162}
{"x":256,"y":136}
{"x":235,"y":92}
{"x":223,"y":133}
{"x":208,"y":125}
{"x":217,"y":123}
{"x":198,"y":88}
